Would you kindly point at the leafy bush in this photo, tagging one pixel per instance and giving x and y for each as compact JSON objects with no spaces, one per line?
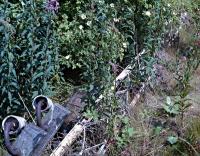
{"x":95,"y":33}
{"x":91,"y":41}
{"x":96,"y":37}
{"x":28,"y":56}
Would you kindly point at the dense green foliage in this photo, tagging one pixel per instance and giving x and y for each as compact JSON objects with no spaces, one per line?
{"x":28,"y":56}
{"x":97,"y":38}
{"x":100,"y":32}
{"x":97,"y":35}
{"x":90,"y":41}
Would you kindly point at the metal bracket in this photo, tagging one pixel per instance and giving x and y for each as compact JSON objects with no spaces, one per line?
{"x":33,"y":140}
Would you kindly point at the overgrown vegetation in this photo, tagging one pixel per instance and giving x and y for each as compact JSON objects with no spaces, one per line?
{"x":29,"y":54}
{"x":96,"y":40}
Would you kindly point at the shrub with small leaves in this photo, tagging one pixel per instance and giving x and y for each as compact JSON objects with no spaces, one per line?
{"x":90,"y":41}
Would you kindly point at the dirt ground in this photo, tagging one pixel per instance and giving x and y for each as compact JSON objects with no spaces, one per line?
{"x":166,"y":82}
{"x":194,"y":94}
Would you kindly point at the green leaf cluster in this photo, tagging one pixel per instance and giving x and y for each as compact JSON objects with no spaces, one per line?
{"x":28,"y":54}
{"x":171,"y":107}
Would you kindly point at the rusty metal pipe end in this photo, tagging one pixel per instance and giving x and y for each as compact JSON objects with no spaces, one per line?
{"x":45,"y":102}
{"x":8,"y":127}
{"x":42,"y":104}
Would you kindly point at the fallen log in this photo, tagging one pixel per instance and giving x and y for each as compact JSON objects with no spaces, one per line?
{"x":69,"y":139}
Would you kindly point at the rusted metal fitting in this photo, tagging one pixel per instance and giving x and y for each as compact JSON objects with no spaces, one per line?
{"x":41,"y":104}
{"x":12,"y":125}
{"x":33,"y":139}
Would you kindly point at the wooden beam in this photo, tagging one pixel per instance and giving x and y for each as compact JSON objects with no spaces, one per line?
{"x":69,"y":139}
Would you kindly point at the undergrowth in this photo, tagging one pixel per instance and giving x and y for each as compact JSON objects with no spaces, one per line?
{"x":99,"y":38}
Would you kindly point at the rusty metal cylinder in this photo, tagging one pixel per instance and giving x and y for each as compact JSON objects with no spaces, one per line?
{"x":12,"y":125}
{"x":41,"y":104}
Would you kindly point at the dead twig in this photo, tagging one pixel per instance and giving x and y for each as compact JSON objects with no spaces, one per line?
{"x":84,"y":142}
{"x":94,"y":147}
{"x":26,"y":108}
